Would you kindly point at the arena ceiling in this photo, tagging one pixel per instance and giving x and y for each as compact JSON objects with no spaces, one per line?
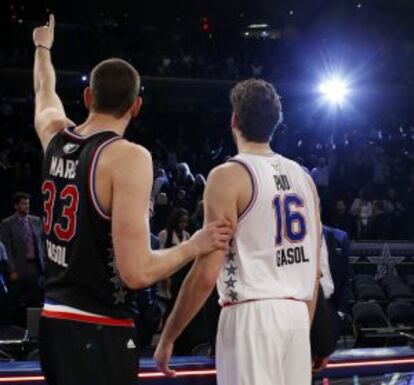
{"x":221,"y":12}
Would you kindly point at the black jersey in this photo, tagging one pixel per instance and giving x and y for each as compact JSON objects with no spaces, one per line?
{"x":80,"y":267}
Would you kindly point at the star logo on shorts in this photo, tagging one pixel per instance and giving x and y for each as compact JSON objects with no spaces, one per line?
{"x":120,"y":296}
{"x":231,"y":270}
{"x":233,"y":295}
{"x":230,"y":282}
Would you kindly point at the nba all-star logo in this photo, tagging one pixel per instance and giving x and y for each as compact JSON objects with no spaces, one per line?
{"x":70,"y":148}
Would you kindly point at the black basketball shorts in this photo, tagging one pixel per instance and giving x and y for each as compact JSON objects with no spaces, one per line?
{"x":79,"y":353}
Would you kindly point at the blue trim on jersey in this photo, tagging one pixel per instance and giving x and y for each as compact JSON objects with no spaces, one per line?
{"x":51,"y":302}
{"x":254,"y":184}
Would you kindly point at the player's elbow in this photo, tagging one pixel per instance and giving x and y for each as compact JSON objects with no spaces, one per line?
{"x":134,"y":280}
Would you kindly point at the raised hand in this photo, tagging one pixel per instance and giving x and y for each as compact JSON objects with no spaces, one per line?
{"x":43,"y":36}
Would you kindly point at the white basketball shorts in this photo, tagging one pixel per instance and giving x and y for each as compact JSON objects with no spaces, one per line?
{"x":264,"y":342}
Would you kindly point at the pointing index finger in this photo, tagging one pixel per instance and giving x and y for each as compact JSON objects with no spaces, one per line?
{"x":52,"y":21}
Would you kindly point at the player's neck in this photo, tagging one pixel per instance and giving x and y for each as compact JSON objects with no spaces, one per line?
{"x":97,"y":122}
{"x":254,"y":148}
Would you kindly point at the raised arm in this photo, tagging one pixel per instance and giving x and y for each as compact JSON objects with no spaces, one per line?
{"x":139,"y":266}
{"x":50,"y":116}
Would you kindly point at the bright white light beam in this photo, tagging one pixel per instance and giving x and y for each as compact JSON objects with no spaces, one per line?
{"x":334,"y":90}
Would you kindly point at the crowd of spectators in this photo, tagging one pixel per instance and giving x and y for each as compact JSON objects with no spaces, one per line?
{"x":377,"y":43}
{"x":155,"y":53}
{"x":366,"y":181}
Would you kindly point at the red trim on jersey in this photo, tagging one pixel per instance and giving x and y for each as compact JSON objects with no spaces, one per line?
{"x":91,"y":177}
{"x":87,"y":318}
{"x":255,"y":187}
{"x":67,"y":131}
{"x":76,"y":136}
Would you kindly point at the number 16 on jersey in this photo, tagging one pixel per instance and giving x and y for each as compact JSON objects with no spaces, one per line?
{"x":290,"y":223}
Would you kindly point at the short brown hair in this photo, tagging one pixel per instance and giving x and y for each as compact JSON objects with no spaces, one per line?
{"x":114,"y":84}
{"x":20,"y":196}
{"x":258,"y":109}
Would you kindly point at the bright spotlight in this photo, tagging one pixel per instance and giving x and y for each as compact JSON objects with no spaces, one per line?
{"x":334,"y":90}
{"x":84,"y":78}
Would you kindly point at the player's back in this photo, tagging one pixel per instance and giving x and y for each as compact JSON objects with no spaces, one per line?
{"x":275,"y":247}
{"x":80,"y":266}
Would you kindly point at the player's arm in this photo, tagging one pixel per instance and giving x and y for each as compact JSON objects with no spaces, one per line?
{"x":220,"y":200}
{"x":312,"y":304}
{"x":139,"y":266}
{"x":50,"y":116}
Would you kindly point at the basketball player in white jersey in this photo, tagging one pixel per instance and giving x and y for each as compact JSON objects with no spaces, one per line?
{"x":268,"y":281}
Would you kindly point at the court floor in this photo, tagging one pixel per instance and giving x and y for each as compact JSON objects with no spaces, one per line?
{"x":387,"y":379}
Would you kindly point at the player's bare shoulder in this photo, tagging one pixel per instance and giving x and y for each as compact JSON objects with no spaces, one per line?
{"x":124,"y":155}
{"x":229,"y":173}
{"x":230,"y":182}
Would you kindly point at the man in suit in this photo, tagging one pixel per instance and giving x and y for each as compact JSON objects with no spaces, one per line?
{"x":22,"y":236}
{"x":335,"y":270}
{"x":332,"y":299}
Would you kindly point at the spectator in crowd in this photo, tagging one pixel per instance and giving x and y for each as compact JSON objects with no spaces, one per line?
{"x":198,"y":188}
{"x":172,"y":235}
{"x":183,"y":200}
{"x":340,"y":218}
{"x":395,"y":209}
{"x":175,"y":232}
{"x":22,"y":235}
{"x":361,"y":209}
{"x":381,"y":168}
{"x":380,"y":222}
{"x":162,"y":210}
{"x":335,"y":275}
{"x":5,"y":308}
{"x":320,"y":175}
{"x":184,"y":177}
{"x":323,"y":340}
{"x":161,"y":182}
{"x":197,"y":219}
{"x":4,"y":264}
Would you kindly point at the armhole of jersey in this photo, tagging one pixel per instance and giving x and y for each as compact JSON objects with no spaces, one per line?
{"x":52,"y":139}
{"x":255,"y":186}
{"x":91,"y":178}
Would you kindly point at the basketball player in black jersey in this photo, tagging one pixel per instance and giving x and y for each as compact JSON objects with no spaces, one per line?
{"x":96,"y":188}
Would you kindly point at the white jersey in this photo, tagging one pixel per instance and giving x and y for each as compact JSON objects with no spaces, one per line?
{"x":275,"y":248}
